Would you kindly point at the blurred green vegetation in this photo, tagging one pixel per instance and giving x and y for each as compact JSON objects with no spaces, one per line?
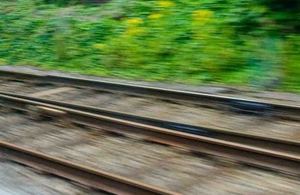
{"x":242,"y":42}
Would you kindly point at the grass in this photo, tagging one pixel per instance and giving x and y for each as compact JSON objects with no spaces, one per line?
{"x":209,"y":41}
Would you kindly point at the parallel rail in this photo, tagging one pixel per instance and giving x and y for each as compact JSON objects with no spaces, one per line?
{"x":282,"y":110}
{"x":276,"y":159}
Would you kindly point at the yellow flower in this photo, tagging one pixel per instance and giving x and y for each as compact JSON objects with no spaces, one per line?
{"x":165,"y":4}
{"x":99,"y":46}
{"x":202,"y":16}
{"x":134,"y":31}
{"x":155,"y":16}
{"x":134,"y":21}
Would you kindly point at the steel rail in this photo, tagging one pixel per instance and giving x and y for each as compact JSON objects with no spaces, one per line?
{"x":92,"y":178}
{"x":248,"y":139}
{"x":171,"y":94}
{"x":251,"y":155}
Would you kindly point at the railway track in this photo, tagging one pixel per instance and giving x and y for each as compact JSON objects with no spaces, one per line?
{"x":247,"y":105}
{"x":279,"y":144}
{"x":274,"y":154}
{"x":40,"y":95}
{"x":215,"y":120}
{"x":110,"y":155}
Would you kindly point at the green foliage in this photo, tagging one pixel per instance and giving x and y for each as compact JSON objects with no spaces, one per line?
{"x":248,"y":42}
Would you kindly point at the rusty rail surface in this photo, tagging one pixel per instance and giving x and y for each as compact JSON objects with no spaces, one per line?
{"x":281,"y":110}
{"x":252,"y":155}
{"x":92,"y":178}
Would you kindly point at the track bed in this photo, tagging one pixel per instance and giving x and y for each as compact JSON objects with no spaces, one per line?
{"x":132,"y":157}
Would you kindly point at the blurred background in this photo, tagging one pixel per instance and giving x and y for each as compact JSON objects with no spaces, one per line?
{"x":252,"y":43}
